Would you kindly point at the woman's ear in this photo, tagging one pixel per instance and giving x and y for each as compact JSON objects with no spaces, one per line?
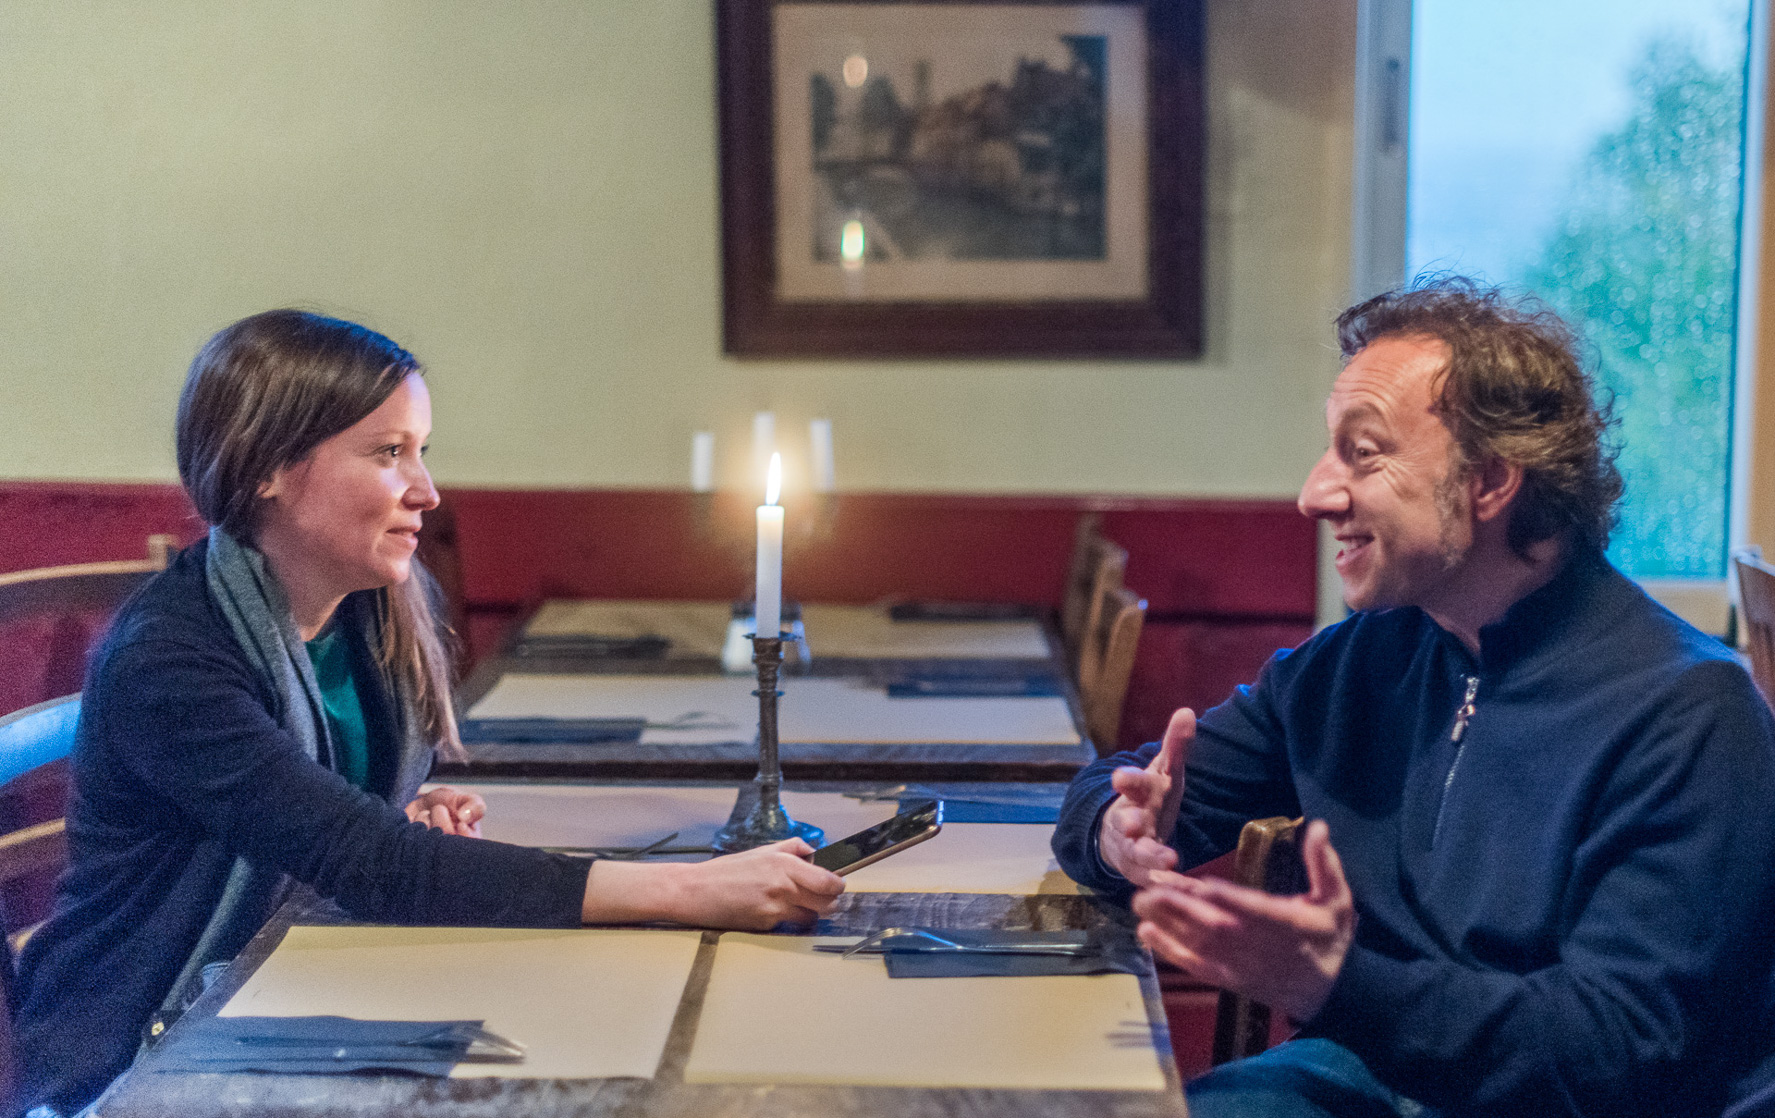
{"x":273,"y":486}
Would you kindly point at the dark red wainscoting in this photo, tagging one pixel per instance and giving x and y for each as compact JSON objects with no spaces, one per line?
{"x":1227,"y":582}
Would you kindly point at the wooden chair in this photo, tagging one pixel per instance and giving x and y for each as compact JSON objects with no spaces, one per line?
{"x":1106,"y":660}
{"x":1268,"y":858}
{"x":50,"y":616}
{"x":1756,"y":595}
{"x":1097,"y":565}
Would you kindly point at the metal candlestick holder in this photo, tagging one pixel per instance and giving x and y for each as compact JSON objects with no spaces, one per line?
{"x":763,"y":820}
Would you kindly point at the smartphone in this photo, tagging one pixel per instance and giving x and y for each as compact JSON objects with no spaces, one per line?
{"x":909,"y":828}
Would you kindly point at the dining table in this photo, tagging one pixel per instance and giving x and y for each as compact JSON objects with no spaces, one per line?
{"x":596,"y":689}
{"x":682,"y":1022}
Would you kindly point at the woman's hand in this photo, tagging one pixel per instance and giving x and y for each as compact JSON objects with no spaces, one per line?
{"x":449,"y":810}
{"x":754,"y":890}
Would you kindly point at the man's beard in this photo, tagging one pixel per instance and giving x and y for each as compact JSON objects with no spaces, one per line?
{"x":1451,"y":509}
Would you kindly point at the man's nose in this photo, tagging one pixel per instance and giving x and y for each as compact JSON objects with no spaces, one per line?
{"x":1324,"y":495}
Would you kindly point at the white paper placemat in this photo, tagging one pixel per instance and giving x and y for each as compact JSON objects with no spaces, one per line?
{"x":585,"y":1003}
{"x":779,"y":1012}
{"x":1006,"y":858}
{"x":589,"y":815}
{"x":694,"y":628}
{"x":868,"y":633}
{"x":706,"y":710}
{"x":855,"y":632}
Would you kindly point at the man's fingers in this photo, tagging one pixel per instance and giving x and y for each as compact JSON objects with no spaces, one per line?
{"x":1325,"y":870}
{"x":1174,"y":749}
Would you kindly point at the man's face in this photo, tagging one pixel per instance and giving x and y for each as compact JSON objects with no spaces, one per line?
{"x":1385,"y":485}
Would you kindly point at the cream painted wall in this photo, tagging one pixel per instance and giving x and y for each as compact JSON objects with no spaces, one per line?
{"x":524,"y":193}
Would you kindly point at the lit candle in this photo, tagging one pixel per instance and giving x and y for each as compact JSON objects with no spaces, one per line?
{"x":702,"y":462}
{"x":768,"y":616}
{"x":820,"y":437}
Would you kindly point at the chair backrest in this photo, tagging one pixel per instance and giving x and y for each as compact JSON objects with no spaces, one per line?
{"x":1268,"y":858}
{"x":34,"y":743}
{"x":1096,"y":562}
{"x":51,"y":616}
{"x":1756,"y":594}
{"x":1106,"y":661}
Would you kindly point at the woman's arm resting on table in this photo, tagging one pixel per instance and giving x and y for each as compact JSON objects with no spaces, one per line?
{"x":753,"y":891}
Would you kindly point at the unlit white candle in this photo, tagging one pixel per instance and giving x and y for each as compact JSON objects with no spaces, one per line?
{"x":764,"y":443}
{"x":819,"y":434}
{"x":768,"y":614}
{"x":702,"y":462}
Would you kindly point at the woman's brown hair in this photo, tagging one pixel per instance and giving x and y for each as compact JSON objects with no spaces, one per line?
{"x":260,"y":396}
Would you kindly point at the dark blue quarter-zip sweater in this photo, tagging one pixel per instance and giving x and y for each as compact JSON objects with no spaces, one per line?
{"x":1562,"y":852}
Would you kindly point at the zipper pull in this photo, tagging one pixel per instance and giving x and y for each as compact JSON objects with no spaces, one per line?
{"x":1465,"y":714}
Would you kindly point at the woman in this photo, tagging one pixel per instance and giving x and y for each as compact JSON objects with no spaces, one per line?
{"x":267,"y":708}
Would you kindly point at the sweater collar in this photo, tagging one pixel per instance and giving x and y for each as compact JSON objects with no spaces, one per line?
{"x":1546,"y":615}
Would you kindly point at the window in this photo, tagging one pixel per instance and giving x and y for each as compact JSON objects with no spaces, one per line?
{"x":1591,"y":152}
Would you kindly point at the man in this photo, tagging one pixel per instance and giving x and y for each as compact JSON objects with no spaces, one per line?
{"x":1540,"y":837}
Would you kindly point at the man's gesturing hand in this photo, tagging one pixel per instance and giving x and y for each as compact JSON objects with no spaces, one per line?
{"x":1137,"y":827}
{"x":1282,"y":951}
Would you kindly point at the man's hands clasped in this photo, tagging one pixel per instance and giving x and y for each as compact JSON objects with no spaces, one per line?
{"x":1285,"y":952}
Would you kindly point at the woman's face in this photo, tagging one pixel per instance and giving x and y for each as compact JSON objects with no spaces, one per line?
{"x":346,"y":517}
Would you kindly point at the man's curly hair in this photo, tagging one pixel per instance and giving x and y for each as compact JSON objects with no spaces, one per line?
{"x":1513,"y":389}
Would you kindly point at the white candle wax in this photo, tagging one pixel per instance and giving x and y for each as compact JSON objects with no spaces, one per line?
{"x":819,"y":432}
{"x":702,"y":462}
{"x":768,"y":614}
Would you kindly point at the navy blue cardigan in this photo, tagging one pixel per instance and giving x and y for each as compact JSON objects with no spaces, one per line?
{"x":1564,"y":913}
{"x":179,"y":766}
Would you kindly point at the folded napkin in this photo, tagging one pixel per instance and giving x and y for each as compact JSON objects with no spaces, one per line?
{"x":326,"y":1046}
{"x":1009,"y":807}
{"x":592,"y":646}
{"x":553,"y":731}
{"x":1037,"y":685}
{"x":963,"y":611}
{"x":1011,"y":954}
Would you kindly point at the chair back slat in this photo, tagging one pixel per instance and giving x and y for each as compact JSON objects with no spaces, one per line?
{"x":1268,"y":858}
{"x":1106,"y":663}
{"x":37,"y":735}
{"x":1756,"y":594}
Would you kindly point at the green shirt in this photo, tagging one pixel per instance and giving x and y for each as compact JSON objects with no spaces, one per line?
{"x":331,"y":657}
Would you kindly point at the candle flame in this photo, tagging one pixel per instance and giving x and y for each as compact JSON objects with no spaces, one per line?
{"x":773,"y":483}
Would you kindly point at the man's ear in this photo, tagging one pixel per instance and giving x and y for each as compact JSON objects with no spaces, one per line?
{"x":274,"y":486}
{"x":1493,"y":486}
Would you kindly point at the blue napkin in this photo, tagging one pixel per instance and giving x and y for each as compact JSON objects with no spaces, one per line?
{"x":989,"y":809}
{"x":553,"y":731}
{"x":317,"y":1045}
{"x":907,"y":957}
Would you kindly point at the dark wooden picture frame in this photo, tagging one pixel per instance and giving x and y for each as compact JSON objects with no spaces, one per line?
{"x":1166,"y":322}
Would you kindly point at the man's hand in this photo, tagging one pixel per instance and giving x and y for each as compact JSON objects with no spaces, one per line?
{"x":1282,"y":951}
{"x":1136,"y":834}
{"x":449,"y":810}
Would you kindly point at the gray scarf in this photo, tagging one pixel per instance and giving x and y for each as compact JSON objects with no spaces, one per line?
{"x":258,"y":612}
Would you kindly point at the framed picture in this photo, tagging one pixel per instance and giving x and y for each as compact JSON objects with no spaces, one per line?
{"x":961,"y":178}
